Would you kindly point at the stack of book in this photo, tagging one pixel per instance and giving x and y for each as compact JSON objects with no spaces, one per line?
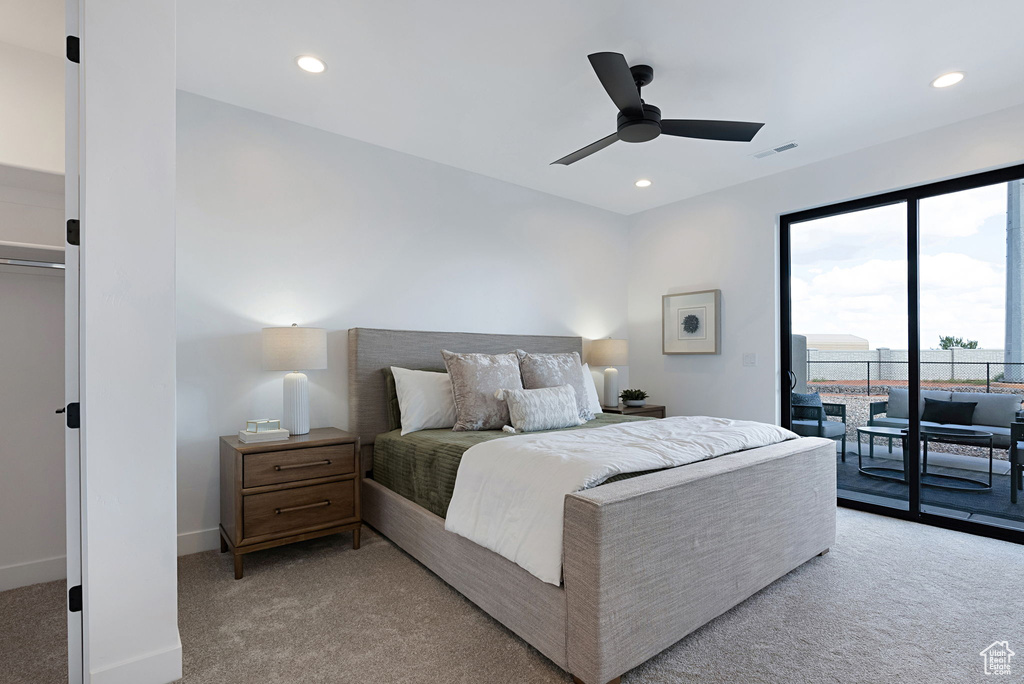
{"x":262,"y":430}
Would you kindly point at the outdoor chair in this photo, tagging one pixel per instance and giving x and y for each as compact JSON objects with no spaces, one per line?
{"x":1016,"y":459}
{"x":812,"y":421}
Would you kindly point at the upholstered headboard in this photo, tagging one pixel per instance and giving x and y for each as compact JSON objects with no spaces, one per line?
{"x":370,"y":350}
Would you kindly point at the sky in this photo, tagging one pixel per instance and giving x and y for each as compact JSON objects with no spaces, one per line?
{"x":849,"y":272}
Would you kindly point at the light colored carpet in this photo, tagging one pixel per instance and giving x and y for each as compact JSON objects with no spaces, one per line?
{"x":894,"y":601}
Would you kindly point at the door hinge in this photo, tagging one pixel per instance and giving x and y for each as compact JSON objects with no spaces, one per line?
{"x":72,"y":45}
{"x":75,"y":599}
{"x":74,"y":420}
{"x":74,"y":232}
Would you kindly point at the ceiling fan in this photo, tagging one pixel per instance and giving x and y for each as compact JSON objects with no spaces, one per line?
{"x":639,"y":121}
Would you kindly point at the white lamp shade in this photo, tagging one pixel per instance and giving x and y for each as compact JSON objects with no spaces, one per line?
{"x":609,"y":353}
{"x":294,"y":349}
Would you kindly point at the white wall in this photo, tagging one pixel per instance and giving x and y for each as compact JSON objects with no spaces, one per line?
{"x":31,"y":206}
{"x":32,"y":369}
{"x":128,"y":342}
{"x":729,"y":240}
{"x":32,"y":447}
{"x":281,"y":223}
{"x":31,"y":109}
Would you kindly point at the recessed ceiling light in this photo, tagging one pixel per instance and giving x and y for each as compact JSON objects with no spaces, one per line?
{"x":946,"y":80}
{"x":311,"y":64}
{"x":643,"y":183}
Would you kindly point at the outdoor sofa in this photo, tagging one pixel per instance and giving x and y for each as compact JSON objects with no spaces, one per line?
{"x":994,"y":412}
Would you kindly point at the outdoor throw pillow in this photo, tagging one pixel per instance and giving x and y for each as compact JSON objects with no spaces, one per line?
{"x":807,"y":406}
{"x":949,"y":412}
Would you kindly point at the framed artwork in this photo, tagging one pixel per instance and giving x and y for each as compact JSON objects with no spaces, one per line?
{"x":691,"y":323}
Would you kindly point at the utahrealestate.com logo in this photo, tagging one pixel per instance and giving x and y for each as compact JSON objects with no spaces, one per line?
{"x":997,"y":658}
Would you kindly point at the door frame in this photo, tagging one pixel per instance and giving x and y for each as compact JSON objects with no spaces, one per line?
{"x":911,"y":196}
{"x":73,"y":483}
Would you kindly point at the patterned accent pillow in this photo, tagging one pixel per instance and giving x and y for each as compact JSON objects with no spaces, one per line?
{"x":475,"y":379}
{"x":549,"y":408}
{"x":807,"y":406}
{"x":555,"y":370}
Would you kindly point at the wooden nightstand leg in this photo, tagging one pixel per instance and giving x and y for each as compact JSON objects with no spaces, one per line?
{"x":223,"y":545}
{"x":238,"y":566}
{"x":355,"y":538}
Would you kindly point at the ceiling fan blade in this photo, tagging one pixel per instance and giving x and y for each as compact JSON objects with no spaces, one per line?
{"x":587,"y":151}
{"x":736,"y":131}
{"x":612,"y":70}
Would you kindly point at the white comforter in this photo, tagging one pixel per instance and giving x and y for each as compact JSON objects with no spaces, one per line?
{"x":509,"y":493}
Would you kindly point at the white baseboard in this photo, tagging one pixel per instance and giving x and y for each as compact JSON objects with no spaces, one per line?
{"x":33,"y":572}
{"x":160,"y":667}
{"x":200,"y":540}
{"x":50,"y":569}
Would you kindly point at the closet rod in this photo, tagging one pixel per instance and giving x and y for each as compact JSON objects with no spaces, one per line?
{"x":34,"y":264}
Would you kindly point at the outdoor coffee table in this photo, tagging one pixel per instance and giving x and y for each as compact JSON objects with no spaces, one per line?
{"x":928,"y":434}
{"x":957,"y":436}
{"x":872,"y":431}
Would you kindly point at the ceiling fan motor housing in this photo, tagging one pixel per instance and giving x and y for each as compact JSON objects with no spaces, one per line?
{"x":636,"y":127}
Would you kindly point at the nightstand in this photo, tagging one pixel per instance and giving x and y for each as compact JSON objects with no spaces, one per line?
{"x":652,"y":410}
{"x":283,"y":492}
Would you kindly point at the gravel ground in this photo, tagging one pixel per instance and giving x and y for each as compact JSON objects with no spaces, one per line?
{"x":857,"y":409}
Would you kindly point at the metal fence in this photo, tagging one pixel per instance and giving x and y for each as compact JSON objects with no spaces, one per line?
{"x":994,"y":376}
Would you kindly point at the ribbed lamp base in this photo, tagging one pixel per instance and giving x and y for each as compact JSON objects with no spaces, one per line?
{"x":296,"y":404}
{"x":611,"y":387}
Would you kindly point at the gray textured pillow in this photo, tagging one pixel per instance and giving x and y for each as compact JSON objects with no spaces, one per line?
{"x":475,"y":379}
{"x":541,"y":409}
{"x":554,"y":370}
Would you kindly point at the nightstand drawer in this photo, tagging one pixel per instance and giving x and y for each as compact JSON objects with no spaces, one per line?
{"x":653,"y":413}
{"x":275,"y":467}
{"x":290,"y":510}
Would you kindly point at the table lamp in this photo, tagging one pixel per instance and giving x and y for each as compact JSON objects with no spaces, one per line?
{"x":295,"y":349}
{"x":610,"y":353}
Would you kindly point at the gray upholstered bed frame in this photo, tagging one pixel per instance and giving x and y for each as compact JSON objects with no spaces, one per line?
{"x":645,"y":561}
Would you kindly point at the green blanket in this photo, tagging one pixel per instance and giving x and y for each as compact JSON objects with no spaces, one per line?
{"x":422,"y":466}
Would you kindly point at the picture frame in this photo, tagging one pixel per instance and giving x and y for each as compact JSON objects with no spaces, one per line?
{"x":691,"y":323}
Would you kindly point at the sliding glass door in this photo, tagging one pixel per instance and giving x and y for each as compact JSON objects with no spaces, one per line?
{"x":971,"y":332}
{"x":903,"y":341}
{"x":849,"y":324}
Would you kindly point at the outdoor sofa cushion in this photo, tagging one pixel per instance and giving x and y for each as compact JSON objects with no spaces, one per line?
{"x":833,"y":429}
{"x":899,"y":402}
{"x":1000,"y":435}
{"x":993,"y":409}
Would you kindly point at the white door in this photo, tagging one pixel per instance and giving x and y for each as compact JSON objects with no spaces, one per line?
{"x":72,"y":446}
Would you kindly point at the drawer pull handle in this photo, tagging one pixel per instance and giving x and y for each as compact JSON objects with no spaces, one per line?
{"x":279,"y":511}
{"x":302,"y":465}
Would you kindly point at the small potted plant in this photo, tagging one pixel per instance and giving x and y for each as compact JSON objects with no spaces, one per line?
{"x":633,"y":397}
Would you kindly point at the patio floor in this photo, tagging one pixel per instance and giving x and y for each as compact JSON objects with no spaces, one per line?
{"x":987,"y":506}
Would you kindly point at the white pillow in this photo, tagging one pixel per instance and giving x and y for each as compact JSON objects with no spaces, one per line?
{"x":588,"y":383}
{"x":425,"y":399}
{"x":549,"y":408}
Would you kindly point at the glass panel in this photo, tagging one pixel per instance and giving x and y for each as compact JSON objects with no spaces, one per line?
{"x":972,"y":339}
{"x":849,"y":313}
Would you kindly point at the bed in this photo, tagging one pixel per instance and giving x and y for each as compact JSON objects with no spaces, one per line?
{"x":647,"y":559}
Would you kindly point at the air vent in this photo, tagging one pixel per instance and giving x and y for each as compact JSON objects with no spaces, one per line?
{"x":774,"y":150}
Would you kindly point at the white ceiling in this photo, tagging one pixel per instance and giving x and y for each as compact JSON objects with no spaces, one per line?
{"x":505,"y":88}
